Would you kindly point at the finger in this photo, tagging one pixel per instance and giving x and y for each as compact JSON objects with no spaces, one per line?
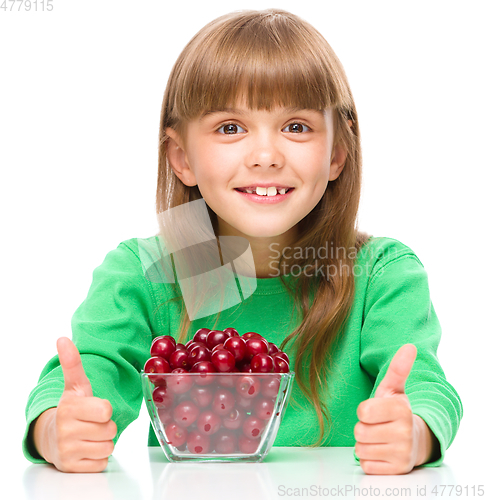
{"x":86,"y":465}
{"x":398,"y":371}
{"x":377,"y":467}
{"x":382,"y":410}
{"x":380,"y":451}
{"x":90,"y":409}
{"x":96,"y":450}
{"x":376,"y":433}
{"x":91,"y":431}
{"x":75,"y":380}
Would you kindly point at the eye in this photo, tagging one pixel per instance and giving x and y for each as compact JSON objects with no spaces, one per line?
{"x":230,"y":128}
{"x":296,"y":128}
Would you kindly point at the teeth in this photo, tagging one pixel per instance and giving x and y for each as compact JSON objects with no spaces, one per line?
{"x":270,"y":191}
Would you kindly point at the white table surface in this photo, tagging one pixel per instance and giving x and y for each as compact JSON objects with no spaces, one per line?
{"x":285,"y":473}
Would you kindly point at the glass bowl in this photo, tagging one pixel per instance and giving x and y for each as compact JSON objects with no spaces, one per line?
{"x":218,"y":417}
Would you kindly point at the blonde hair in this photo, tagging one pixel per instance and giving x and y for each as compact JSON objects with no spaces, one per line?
{"x":275,"y":58}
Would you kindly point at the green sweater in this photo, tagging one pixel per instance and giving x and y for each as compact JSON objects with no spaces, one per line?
{"x":113,"y":329}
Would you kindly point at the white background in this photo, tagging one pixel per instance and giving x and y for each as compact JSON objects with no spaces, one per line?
{"x":80,"y":98}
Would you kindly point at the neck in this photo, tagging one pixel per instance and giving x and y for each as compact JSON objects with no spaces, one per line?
{"x":266,"y":251}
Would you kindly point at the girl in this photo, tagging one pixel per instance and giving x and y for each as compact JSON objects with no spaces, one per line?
{"x":259,"y":128}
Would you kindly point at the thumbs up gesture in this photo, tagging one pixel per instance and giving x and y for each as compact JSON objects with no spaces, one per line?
{"x":390,"y":439}
{"x":77,"y":436}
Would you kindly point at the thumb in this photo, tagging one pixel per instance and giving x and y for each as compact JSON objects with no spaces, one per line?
{"x":75,"y":380}
{"x":396,"y":376}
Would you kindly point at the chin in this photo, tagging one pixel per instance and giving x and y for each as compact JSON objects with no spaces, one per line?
{"x":262,"y":233}
{"x":258,"y":228}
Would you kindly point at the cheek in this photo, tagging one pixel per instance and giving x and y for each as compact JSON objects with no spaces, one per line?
{"x":316,"y":171}
{"x":213,"y":163}
{"x":312,"y":157}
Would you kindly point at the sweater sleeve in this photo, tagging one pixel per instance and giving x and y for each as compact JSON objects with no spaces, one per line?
{"x":398,"y":311}
{"x":112,"y":330}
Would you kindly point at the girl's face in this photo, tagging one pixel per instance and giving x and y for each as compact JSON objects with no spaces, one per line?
{"x":231,"y":150}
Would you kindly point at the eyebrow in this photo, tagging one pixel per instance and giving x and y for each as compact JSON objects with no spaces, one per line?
{"x":240,"y":112}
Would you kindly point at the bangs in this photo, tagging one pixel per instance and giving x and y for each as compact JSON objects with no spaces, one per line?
{"x":269,"y":59}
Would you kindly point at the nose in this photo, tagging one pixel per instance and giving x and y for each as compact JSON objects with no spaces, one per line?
{"x":264,"y":151}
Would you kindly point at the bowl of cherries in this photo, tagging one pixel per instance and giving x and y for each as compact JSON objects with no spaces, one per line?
{"x":220,"y":397}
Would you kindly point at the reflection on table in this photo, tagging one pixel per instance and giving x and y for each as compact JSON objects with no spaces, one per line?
{"x":285,"y":472}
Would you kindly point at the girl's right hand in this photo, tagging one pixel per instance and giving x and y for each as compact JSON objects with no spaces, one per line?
{"x":77,"y":436}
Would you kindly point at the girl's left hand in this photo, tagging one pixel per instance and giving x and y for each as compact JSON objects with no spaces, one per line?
{"x":390,"y":439}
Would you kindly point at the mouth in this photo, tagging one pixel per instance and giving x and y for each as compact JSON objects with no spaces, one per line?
{"x":265,"y":191}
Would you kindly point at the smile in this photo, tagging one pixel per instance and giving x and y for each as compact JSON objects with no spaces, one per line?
{"x":264,"y":191}
{"x":265,"y":195}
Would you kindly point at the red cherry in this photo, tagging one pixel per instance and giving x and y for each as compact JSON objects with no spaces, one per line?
{"x":280,"y":365}
{"x":179,"y":359}
{"x":248,"y":386}
{"x":245,"y":367}
{"x":163,"y":346}
{"x":261,"y":363}
{"x":235,"y":418}
{"x":283,"y":355}
{"x":179,"y":371}
{"x":188,"y":345}
{"x":244,"y":404}
{"x":196,"y":344}
{"x":201,"y":335}
{"x":255,"y":346}
{"x":253,"y":427}
{"x":202,"y":396}
{"x":162,"y":399}
{"x":170,"y":338}
{"x":165,"y":416}
{"x":180,"y":346}
{"x":198,"y":443}
{"x":263,"y":408}
{"x":205,"y":370}
{"x":223,"y":402}
{"x":185,"y":413}
{"x":273,"y":348}
{"x":199,"y":353}
{"x":227,"y":380}
{"x":203,"y":367}
{"x":216,"y":337}
{"x":176,"y":435}
{"x":232,"y":331}
{"x":179,"y":381}
{"x":251,"y":335}
{"x":156,"y":365}
{"x":248,"y":446}
{"x":270,"y":386}
{"x":223,"y":360}
{"x":237,"y":346}
{"x":225,"y":442}
{"x":217,"y":347}
{"x":208,"y":422}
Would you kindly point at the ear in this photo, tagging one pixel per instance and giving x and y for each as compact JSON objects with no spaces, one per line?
{"x":337,"y":162}
{"x":178,"y":159}
{"x":338,"y":159}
